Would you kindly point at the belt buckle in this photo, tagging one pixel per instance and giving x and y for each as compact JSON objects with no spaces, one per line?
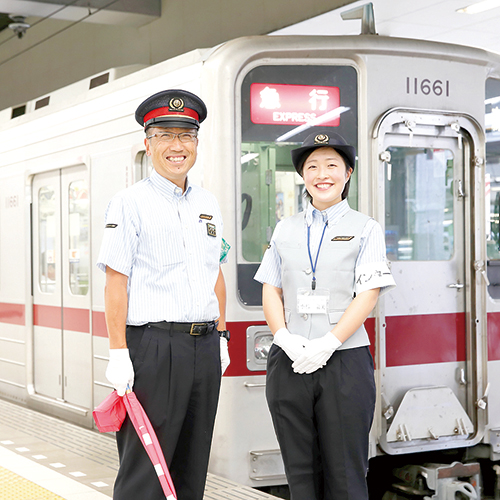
{"x":193,"y":325}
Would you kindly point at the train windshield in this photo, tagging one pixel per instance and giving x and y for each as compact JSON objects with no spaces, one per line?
{"x":492,"y":126}
{"x":280,"y":107}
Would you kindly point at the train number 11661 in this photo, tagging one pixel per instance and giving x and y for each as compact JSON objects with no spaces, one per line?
{"x":427,"y":87}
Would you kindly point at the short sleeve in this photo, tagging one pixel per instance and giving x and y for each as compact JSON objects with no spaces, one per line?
{"x":120,"y":238}
{"x":270,"y":268}
{"x":372,"y":269}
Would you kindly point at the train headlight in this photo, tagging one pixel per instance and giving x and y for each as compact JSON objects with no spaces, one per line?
{"x":262,"y":345}
{"x":259,"y":340}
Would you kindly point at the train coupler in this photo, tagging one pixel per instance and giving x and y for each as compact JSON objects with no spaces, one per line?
{"x":436,"y":482}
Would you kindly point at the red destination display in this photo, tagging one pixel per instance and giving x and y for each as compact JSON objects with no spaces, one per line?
{"x":276,"y":104}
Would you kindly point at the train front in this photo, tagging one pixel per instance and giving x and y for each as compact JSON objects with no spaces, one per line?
{"x":426,"y":158}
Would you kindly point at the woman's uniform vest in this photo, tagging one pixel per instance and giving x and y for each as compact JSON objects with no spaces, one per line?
{"x":334,"y":271}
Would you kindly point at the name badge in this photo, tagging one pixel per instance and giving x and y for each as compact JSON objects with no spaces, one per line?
{"x":313,"y":301}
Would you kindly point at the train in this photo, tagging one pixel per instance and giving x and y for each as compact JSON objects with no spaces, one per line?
{"x":425,"y":120}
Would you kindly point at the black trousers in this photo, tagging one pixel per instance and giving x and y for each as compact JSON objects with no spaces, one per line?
{"x":177,"y":381}
{"x":322,"y":422}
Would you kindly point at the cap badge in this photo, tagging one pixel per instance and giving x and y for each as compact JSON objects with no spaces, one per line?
{"x":321,"y":139}
{"x":176,"y":104}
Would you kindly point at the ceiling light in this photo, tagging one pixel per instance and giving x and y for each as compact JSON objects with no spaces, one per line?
{"x":18,"y":25}
{"x":480,"y":7}
{"x":248,"y":157}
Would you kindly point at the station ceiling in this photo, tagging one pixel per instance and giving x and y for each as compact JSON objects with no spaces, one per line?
{"x":436,"y":20}
{"x":128,"y":12}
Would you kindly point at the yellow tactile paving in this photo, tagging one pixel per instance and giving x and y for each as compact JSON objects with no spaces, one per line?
{"x":14,"y":487}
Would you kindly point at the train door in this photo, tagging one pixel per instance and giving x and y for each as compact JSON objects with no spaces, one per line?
{"x":61,"y":295}
{"x":426,"y":360}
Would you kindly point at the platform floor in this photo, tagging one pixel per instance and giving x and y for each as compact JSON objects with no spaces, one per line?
{"x":44,"y":458}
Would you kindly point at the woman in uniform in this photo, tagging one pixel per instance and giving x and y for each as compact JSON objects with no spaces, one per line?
{"x":322,"y":275}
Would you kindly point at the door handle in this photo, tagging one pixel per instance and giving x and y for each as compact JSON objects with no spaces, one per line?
{"x":457,"y":285}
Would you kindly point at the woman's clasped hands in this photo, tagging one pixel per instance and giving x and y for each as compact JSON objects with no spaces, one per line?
{"x":307,"y":355}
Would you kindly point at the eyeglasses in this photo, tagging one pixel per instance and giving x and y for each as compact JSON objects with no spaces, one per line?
{"x":170,"y":137}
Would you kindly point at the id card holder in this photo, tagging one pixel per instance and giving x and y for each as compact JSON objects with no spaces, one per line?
{"x":312,"y":301}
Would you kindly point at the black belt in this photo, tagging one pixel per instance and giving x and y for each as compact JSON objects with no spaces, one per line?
{"x":191,"y":328}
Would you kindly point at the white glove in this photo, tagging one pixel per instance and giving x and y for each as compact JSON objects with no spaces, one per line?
{"x":120,"y":371}
{"x":224,"y":355}
{"x":292,"y":344}
{"x":316,"y":354}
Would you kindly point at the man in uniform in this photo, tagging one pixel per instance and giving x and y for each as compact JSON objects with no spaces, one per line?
{"x":165,"y":303}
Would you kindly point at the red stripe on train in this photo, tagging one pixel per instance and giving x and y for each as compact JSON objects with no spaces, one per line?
{"x":99,"y":324}
{"x":238,"y":349}
{"x":74,"y":319}
{"x":423,"y":339}
{"x":49,"y":316}
{"x":419,"y":339}
{"x":238,"y":346}
{"x":12,"y":313}
{"x":493,"y":336}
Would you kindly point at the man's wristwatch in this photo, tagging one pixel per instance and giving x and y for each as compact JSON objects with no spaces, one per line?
{"x":225,"y":334}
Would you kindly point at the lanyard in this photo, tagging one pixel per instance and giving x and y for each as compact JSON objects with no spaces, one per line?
{"x":313,"y":266}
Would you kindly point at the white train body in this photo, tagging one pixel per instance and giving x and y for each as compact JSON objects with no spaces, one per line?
{"x":428,"y":156}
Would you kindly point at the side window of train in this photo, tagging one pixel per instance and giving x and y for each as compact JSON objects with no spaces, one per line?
{"x":492,"y":181}
{"x":419,"y":220}
{"x":280,"y":106}
{"x":143,"y":166}
{"x":78,"y":232}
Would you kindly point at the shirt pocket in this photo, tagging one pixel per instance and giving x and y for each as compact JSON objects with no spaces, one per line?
{"x":163,"y":245}
{"x":210,"y":238}
{"x":343,"y":247}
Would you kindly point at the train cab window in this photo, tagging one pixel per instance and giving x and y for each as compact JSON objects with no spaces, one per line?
{"x":78,"y":232}
{"x":419,"y":220}
{"x":47,"y":244}
{"x":492,"y":181}
{"x":280,"y":106}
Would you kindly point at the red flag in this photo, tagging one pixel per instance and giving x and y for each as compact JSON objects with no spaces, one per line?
{"x":109,"y":416}
{"x":150,"y":442}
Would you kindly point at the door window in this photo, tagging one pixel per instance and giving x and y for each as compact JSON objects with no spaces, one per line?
{"x":78,"y":232}
{"x":47,"y":232}
{"x":419,"y":218}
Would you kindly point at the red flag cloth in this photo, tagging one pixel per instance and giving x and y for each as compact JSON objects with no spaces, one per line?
{"x":150,"y":442}
{"x":109,"y":416}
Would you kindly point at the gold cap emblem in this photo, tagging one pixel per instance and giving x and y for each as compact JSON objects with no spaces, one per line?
{"x":176,"y":104}
{"x":321,"y":139}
